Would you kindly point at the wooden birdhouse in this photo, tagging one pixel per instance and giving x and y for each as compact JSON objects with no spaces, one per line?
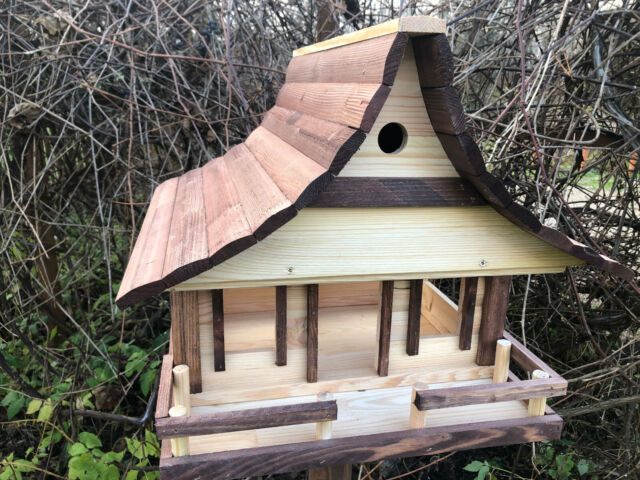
{"x":306,"y":327}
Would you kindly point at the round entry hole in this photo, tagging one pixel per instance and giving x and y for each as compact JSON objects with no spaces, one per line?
{"x":392,"y":138}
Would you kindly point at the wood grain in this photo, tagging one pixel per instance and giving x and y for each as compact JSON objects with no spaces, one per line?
{"x":489,"y":393}
{"x":217,"y":308}
{"x":165,"y":387}
{"x":466,"y":310}
{"x":413,"y":321}
{"x":384,"y":335}
{"x":494,"y":314}
{"x":312,"y":333}
{"x":185,"y":335}
{"x":445,"y":110}
{"x":463,"y":152}
{"x":247,"y":419}
{"x":434,"y":60}
{"x":527,"y":359}
{"x":398,"y":192}
{"x":360,"y":449}
{"x":281,"y":325}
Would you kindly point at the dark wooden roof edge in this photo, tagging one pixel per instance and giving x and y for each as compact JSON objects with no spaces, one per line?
{"x":345,"y":151}
{"x":434,"y":61}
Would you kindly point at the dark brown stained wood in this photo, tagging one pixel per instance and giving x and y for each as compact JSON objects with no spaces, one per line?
{"x":445,"y":110}
{"x":312,"y":333}
{"x":352,"y":104}
{"x":413,"y":321}
{"x":281,"y":325}
{"x":188,"y":235}
{"x":259,"y":195}
{"x":165,"y":387}
{"x":491,"y":188}
{"x":185,"y":335}
{"x":335,"y":472}
{"x":217,"y":307}
{"x":466,"y":309}
{"x":360,"y":449}
{"x":434,"y":60}
{"x":374,"y":61}
{"x":384,"y":334}
{"x":489,"y":393}
{"x":249,"y":419}
{"x":398,"y":192}
{"x":494,"y":314}
{"x":463,"y":152}
{"x":329,"y":144}
{"x":525,"y":358}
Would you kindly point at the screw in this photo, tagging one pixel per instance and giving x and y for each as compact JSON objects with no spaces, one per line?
{"x":483,"y":263}
{"x":290,"y":269}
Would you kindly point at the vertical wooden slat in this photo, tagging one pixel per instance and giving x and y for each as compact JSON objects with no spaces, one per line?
{"x":466,"y":309}
{"x":494,"y":313}
{"x":185,"y":335}
{"x":312,"y":333}
{"x":384,"y":339}
{"x":218,"y":330}
{"x":415,"y":309}
{"x":281,"y":325}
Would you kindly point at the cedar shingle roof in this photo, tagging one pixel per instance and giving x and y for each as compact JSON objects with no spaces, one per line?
{"x":330,"y":100}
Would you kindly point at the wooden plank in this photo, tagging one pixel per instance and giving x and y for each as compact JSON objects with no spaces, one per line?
{"x":494,"y":314}
{"x":217,"y":308}
{"x":398,"y":192}
{"x":463,"y":152}
{"x":247,"y":419}
{"x":527,"y":359}
{"x":438,"y":311}
{"x":187,"y":241}
{"x":373,"y":61}
{"x":434,"y":60}
{"x":312,"y":333}
{"x":165,"y":449}
{"x":466,"y":310}
{"x":185,"y":335}
{"x":413,"y":323}
{"x":336,"y":472}
{"x":165,"y":387}
{"x":459,"y":242}
{"x":281,"y":325}
{"x":490,"y":393}
{"x":445,"y":110}
{"x":384,"y":335}
{"x":414,"y":25}
{"x":291,"y":171}
{"x":361,"y":449}
{"x":328,"y":143}
{"x":355,"y":105}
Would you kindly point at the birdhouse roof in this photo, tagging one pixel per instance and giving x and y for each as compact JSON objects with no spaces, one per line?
{"x":332,"y":95}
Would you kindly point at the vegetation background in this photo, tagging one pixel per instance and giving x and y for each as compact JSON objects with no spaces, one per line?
{"x":102,"y":100}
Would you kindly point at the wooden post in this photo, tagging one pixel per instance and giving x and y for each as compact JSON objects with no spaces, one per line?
{"x":217,"y":308}
{"x":384,"y":327}
{"x":417,"y":418}
{"x":415,"y":309}
{"x":185,"y":335}
{"x":494,"y":314}
{"x":312,"y":333}
{"x":281,"y":325}
{"x":537,"y":405}
{"x":181,"y":387}
{"x":179,"y":446}
{"x":466,"y":311}
{"x":503,"y":354}
{"x":323,"y":432}
{"x":323,"y":429}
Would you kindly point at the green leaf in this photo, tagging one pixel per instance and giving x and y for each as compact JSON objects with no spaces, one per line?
{"x":483,"y":472}
{"x":89,"y":439}
{"x":474,"y":466}
{"x":132,"y":475}
{"x":77,"y":449}
{"x":110,"y":457}
{"x":80,"y":466}
{"x":583,"y":467}
{"x":15,"y":407}
{"x":34,"y":406}
{"x":146,"y":380}
{"x":45,"y":411}
{"x":111,"y":473}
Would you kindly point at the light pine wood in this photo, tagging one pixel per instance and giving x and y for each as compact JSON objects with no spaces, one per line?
{"x":411,"y":25}
{"x":439,"y":314}
{"x":328,"y":245}
{"x":181,"y":391}
{"x":422,"y":155}
{"x":323,"y":429}
{"x":179,"y":446}
{"x":537,"y":405}
{"x":503,"y":354}
{"x":417,"y":418}
{"x":359,"y":412}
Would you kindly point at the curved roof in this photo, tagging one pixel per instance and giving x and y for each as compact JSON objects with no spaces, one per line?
{"x":329,"y":102}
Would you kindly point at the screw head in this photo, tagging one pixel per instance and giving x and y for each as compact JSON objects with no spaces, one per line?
{"x":483,"y":263}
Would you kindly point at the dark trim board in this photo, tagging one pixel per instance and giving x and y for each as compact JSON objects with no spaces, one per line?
{"x":359,"y":449}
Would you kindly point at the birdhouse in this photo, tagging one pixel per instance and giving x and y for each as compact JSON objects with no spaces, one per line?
{"x":307,"y":329}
